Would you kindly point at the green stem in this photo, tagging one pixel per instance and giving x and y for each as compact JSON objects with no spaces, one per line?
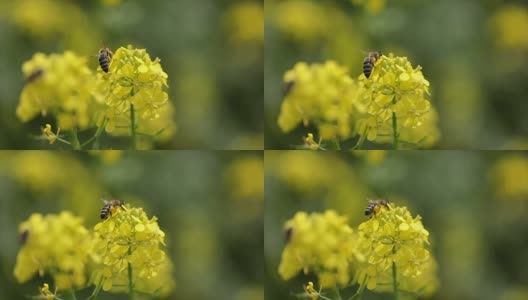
{"x":338,"y":294}
{"x":133,"y":126}
{"x":395,"y":133}
{"x":96,"y":290}
{"x":72,"y":293}
{"x":338,"y":146}
{"x":95,"y":137}
{"x":394,"y":277}
{"x":361,"y":140}
{"x":360,"y":290}
{"x":75,"y":139}
{"x":130,"y":283}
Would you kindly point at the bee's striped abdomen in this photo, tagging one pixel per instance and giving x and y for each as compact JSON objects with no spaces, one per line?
{"x":104,"y":61}
{"x":367,"y":66}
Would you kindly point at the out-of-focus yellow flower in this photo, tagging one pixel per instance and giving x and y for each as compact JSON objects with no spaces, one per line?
{"x":54,"y":244}
{"x":509,"y":26}
{"x":244,"y":178}
{"x":374,"y":157}
{"x":128,"y":238}
{"x":54,"y":20}
{"x":63,"y":88}
{"x":245,"y":23}
{"x":49,"y":135}
{"x":515,"y":293}
{"x":509,"y":176}
{"x":318,"y":243}
{"x":321,"y":94}
{"x":393,"y":236}
{"x":45,"y":293}
{"x":250,"y":293}
{"x":371,"y":6}
{"x":111,"y":3}
{"x":133,"y":79}
{"x":107,"y":156}
{"x":303,"y":20}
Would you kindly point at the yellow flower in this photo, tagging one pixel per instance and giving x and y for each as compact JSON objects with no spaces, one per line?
{"x":54,"y":244}
{"x":394,"y":87}
{"x":371,"y":6}
{"x":127,"y":239}
{"x":309,"y":142}
{"x":245,"y":23}
{"x":318,"y":243}
{"x":509,"y":26}
{"x":242,"y":186}
{"x":49,"y":135}
{"x":134,"y":80}
{"x":61,"y":85}
{"x":321,"y":94}
{"x":45,"y":293}
{"x":295,"y":18}
{"x":509,"y":177}
{"x":311,"y":292}
{"x":393,"y":236}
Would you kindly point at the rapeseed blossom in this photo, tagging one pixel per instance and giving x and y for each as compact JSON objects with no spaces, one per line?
{"x":321,"y":243}
{"x":57,"y":245}
{"x":128,"y":241}
{"x":392,"y":240}
{"x":393,"y":88}
{"x":61,"y":85}
{"x":134,"y":82}
{"x":321,"y":94}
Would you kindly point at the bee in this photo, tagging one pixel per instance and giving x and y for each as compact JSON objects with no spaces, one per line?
{"x":34,"y":75}
{"x":288,"y":232}
{"x":105,"y":55}
{"x":371,"y":208}
{"x":287,"y":86}
{"x":369,"y":61}
{"x":106,"y":211}
{"x":24,"y":237}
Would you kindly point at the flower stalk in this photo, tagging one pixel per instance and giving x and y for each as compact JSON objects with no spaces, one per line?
{"x":394,"y":276}
{"x":76,"y":145}
{"x":395,"y":134}
{"x":130,"y":283}
{"x":132,"y":127}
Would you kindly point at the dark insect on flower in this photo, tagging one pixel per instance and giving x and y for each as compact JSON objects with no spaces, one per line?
{"x":34,"y":75}
{"x":107,"y":208}
{"x":105,"y":56}
{"x":369,"y":61}
{"x":288,"y":234}
{"x":24,"y":237}
{"x":373,"y":204}
{"x":287,"y":86}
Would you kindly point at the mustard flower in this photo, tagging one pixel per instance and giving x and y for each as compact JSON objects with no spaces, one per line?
{"x":134,"y":84}
{"x":295,"y":18}
{"x":46,"y":294}
{"x":127,"y":241}
{"x":60,"y":85}
{"x":54,"y":244}
{"x":509,"y":177}
{"x":392,"y":240}
{"x":393,"y":88}
{"x":49,"y":135}
{"x":322,"y":94}
{"x":311,"y":292}
{"x":318,"y":243}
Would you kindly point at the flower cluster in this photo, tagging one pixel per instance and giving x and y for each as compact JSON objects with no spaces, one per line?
{"x":54,"y":244}
{"x":509,"y":177}
{"x":244,"y":22}
{"x":321,"y":94}
{"x":318,"y":243}
{"x":394,"y":237}
{"x":390,"y":106}
{"x":45,"y":293}
{"x":60,"y":84}
{"x":391,"y":245}
{"x":394,"y":87}
{"x":128,"y":240}
{"x":134,"y":81}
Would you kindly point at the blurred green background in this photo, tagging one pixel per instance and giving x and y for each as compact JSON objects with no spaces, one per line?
{"x":209,"y":204}
{"x":473,"y":52}
{"x":212,"y":51}
{"x":474,"y":205}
